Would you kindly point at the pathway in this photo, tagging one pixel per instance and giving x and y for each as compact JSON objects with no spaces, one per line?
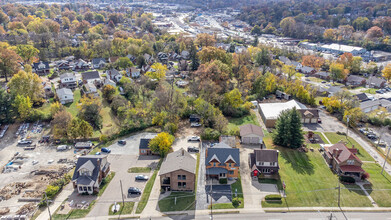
{"x":65,"y":193}
{"x":361,"y":185}
{"x":201,"y":197}
{"x":151,"y":209}
{"x":326,"y":138}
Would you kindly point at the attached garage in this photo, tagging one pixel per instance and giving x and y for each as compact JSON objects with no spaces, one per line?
{"x":309,"y":116}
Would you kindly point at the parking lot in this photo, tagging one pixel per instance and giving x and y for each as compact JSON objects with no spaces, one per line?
{"x":132,"y":144}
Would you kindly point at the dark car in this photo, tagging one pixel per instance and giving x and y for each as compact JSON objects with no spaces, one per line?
{"x":105,"y":150}
{"x":193,"y":149}
{"x":141,"y":177}
{"x":379,"y":91}
{"x":134,"y":190}
{"x":122,"y":142}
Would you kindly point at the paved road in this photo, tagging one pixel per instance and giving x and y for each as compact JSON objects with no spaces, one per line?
{"x":201,"y":196}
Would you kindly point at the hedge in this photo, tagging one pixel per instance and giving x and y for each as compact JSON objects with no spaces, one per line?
{"x":223,"y":181}
{"x":273,"y":197}
{"x":347,"y":179}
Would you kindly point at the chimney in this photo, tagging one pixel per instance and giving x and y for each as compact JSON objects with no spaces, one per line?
{"x":336,"y":152}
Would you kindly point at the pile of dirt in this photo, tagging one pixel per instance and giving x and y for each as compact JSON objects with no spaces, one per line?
{"x":4,"y":211}
{"x":13,"y":189}
{"x":26,"y":209}
{"x":33,"y":194}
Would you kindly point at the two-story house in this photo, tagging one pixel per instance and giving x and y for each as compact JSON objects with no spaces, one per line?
{"x":264,"y":161}
{"x":91,"y":77}
{"x":68,"y":80}
{"x":177,"y":172}
{"x":98,"y":63}
{"x":133,"y":72}
{"x":343,"y":160}
{"x":114,"y":75}
{"x":64,"y":95}
{"x":41,"y":68}
{"x":89,"y":172}
{"x":222,"y":161}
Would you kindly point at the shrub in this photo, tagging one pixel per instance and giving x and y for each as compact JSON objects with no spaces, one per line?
{"x":341,"y":133}
{"x":210,"y":134}
{"x":235,"y":202}
{"x":347,"y":179}
{"x":365,"y":176}
{"x":273,"y":197}
{"x":223,"y":181}
{"x":103,"y":138}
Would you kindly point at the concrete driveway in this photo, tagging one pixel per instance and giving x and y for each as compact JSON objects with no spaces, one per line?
{"x":132,"y":144}
{"x":201,"y":197}
{"x":219,"y":193}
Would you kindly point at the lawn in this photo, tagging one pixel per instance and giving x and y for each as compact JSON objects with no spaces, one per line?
{"x":378,"y":181}
{"x":139,"y":170}
{"x":105,"y":182}
{"x":75,"y":213}
{"x":310,"y":182}
{"x":235,"y":187}
{"x":370,"y":91}
{"x":362,"y":154}
{"x":109,"y":120}
{"x":184,"y":201}
{"x":72,"y":107}
{"x":235,"y":123}
{"x":123,"y":210}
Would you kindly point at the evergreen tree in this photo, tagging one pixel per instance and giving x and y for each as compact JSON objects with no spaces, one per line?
{"x":296,"y":133}
{"x":288,"y":132}
{"x":195,"y":63}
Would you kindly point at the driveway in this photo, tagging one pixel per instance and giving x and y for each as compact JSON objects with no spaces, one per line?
{"x":132,"y":144}
{"x":201,"y":197}
{"x":219,"y":193}
{"x":183,"y":135}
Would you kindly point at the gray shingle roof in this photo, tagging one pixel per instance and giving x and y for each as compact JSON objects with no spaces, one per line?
{"x":266,"y":155}
{"x":67,"y":75}
{"x":222,"y":153}
{"x":95,"y":160}
{"x":178,"y":160}
{"x":216,"y":171}
{"x":250,"y":129}
{"x":64,"y":91}
{"x":90,"y":75}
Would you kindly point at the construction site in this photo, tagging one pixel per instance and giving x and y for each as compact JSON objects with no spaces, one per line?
{"x":29,"y":162}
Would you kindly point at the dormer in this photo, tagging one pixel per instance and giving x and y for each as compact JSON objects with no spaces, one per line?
{"x":230,"y":161}
{"x":214,"y":160}
{"x":41,"y":66}
{"x":86,"y":169}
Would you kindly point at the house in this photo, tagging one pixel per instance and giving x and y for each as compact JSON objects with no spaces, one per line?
{"x":80,"y":65}
{"x":98,"y":63}
{"x":91,"y":77}
{"x":251,"y":134}
{"x":185,"y":54}
{"x":131,"y":58}
{"x":183,"y":65}
{"x":163,"y":57}
{"x":113,"y":59}
{"x":114,"y":75}
{"x":182,"y":83}
{"x":47,"y":88}
{"x":133,"y":72}
{"x":83,"y":145}
{"x":89,"y":172}
{"x":90,"y":89}
{"x":282,"y":95}
{"x":353,"y":80}
{"x":109,"y":82}
{"x":343,"y":160}
{"x":228,"y":140}
{"x":41,"y":68}
{"x":144,"y":146}
{"x":323,"y":75}
{"x":340,"y":49}
{"x":64,"y":95}
{"x":264,"y":161}
{"x":270,"y":111}
{"x":309,"y":116}
{"x":371,"y":105}
{"x":177,"y":172}
{"x":362,"y":97}
{"x":68,"y":80}
{"x":148,"y":59}
{"x":306,"y":70}
{"x":376,"y":82}
{"x":63,"y":65}
{"x":222,"y":161}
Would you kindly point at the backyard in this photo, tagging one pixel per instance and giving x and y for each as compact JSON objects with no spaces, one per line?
{"x":235,"y":123}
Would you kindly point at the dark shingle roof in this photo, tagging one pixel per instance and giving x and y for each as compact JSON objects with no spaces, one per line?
{"x":98,"y":60}
{"x":90,"y":75}
{"x":144,"y":142}
{"x":266,"y":155}
{"x":223,"y":154}
{"x":362,"y":97}
{"x":96,"y":161}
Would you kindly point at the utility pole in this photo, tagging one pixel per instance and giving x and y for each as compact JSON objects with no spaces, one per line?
{"x":385,"y":160}
{"x":122,"y":194}
{"x":347,"y":126}
{"x":47,"y":204}
{"x":339,"y":194}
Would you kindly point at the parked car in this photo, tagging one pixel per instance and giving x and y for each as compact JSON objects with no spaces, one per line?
{"x":194,"y":138}
{"x":121,"y":142}
{"x":24,"y":142}
{"x":319,"y":120}
{"x":323,"y":81}
{"x":97,"y":153}
{"x":105,"y":150}
{"x":142,"y":177}
{"x":372,"y":136}
{"x":379,"y":91}
{"x":193,"y":149}
{"x":195,"y":124}
{"x":62,"y":147}
{"x":134,"y":190}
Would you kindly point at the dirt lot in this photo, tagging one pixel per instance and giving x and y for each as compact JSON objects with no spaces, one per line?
{"x":22,"y":174}
{"x":183,"y":134}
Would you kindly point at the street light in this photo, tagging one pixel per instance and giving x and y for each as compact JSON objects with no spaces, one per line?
{"x":347,"y":125}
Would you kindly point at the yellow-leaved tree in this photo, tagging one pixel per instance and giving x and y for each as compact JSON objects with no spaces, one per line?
{"x":158,"y":73}
{"x":161,"y":143}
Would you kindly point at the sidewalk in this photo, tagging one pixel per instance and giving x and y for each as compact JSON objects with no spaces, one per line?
{"x":152,"y":205}
{"x":64,"y":194}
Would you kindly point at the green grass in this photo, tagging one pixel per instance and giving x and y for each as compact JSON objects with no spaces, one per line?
{"x":123,"y":210}
{"x":362,"y":154}
{"x":105,"y":182}
{"x":72,"y":107}
{"x":314,"y":79}
{"x":235,"y":186}
{"x":370,"y":91}
{"x":147,"y":192}
{"x":310,"y":182}
{"x":109,"y":120}
{"x":184,"y":201}
{"x":235,"y":123}
{"x":378,"y":181}
{"x":197,"y":169}
{"x":139,"y":170}
{"x":75,"y":213}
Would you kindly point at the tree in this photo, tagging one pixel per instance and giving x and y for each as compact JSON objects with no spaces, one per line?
{"x":205,"y":40}
{"x":288,"y":26}
{"x":387,"y":72}
{"x":290,"y":71}
{"x":313,"y":61}
{"x":195,"y":63}
{"x":256,"y":31}
{"x":6,"y":107}
{"x":208,"y":54}
{"x":27,"y":84}
{"x":355,"y":115}
{"x":124,"y":62}
{"x":337,"y":71}
{"x":9,"y":62}
{"x":90,"y":109}
{"x":158,"y":73}
{"x":23,"y":105}
{"x":263,"y":58}
{"x":60,"y":124}
{"x":108,"y":92}
{"x":161,"y":143}
{"x":79,"y":128}
{"x":288,"y":132}
{"x":27,"y":52}
{"x":56,"y":107}
{"x":233,"y":98}
{"x":356,"y":65}
{"x":361,"y":24}
{"x":374,"y":32}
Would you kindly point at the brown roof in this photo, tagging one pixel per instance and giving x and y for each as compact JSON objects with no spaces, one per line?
{"x":351,"y":168}
{"x":344,"y":152}
{"x":266,"y":155}
{"x":178,"y":160}
{"x":309,"y":113}
{"x":250,"y":129}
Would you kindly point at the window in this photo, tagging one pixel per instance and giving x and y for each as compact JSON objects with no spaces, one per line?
{"x":183,"y":177}
{"x":89,"y":188}
{"x":231,"y":172}
{"x":80,"y":188}
{"x":184,"y":184}
{"x":214,"y":164}
{"x":230,"y":164}
{"x":262,"y":163}
{"x":179,"y":184}
{"x":84,"y":188}
{"x":350,"y":162}
{"x":143,"y":151}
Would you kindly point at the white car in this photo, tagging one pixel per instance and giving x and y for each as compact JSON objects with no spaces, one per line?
{"x":195,"y":124}
{"x":194,"y":138}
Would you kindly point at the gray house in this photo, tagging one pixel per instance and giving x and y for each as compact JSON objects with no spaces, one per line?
{"x":65,"y":95}
{"x":264,"y":161}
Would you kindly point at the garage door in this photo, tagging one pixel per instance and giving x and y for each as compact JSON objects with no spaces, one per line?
{"x":307,"y":120}
{"x":254,"y":140}
{"x":246,"y":140}
{"x":314,"y":120}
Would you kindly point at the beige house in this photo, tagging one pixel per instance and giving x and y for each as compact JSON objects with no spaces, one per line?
{"x":251,"y":134}
{"x":177,"y":172}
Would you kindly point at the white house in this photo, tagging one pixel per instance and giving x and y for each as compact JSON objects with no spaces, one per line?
{"x":68,"y":80}
{"x":65,"y":95}
{"x":114,"y":75}
{"x":133,"y":72}
{"x":251,"y":134}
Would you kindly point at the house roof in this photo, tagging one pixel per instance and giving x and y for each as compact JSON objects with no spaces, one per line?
{"x":362,"y":97}
{"x":266,"y":155}
{"x":376,"y":81}
{"x":96,"y":61}
{"x":64,"y":92}
{"x":90,"y":75}
{"x":83,"y":144}
{"x":229,"y":140}
{"x":309,"y":113}
{"x":370,"y":103}
{"x":113,"y":59}
{"x":84,"y":180}
{"x":351,"y":168}
{"x":322,"y":73}
{"x":307,"y":69}
{"x":215,"y":171}
{"x":344,"y":152}
{"x":95,"y":161}
{"x":113,"y":72}
{"x":223,"y":153}
{"x":250,"y":129}
{"x":87,"y":165}
{"x":273,"y":110}
{"x":178,"y":160}
{"x":144,"y":142}
{"x":41,"y":64}
{"x":354,"y":78}
{"x":67,"y":75}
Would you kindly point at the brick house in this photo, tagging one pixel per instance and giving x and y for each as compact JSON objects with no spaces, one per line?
{"x":343,"y":160}
{"x":143,"y":146}
{"x":264,"y":161}
{"x":89,"y":173}
{"x":222,"y":161}
{"x":177,"y":172}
